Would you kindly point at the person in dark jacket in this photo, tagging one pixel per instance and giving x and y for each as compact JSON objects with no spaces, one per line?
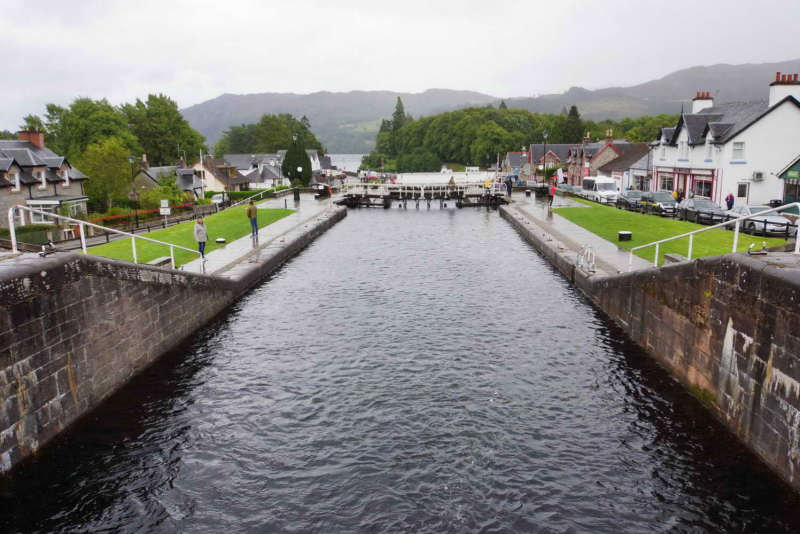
{"x":729,"y":201}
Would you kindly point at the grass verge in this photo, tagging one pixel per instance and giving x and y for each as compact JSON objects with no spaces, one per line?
{"x":607,"y":221}
{"x":230,"y":224}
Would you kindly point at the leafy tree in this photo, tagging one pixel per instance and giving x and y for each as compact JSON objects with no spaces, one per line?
{"x":164,"y":135}
{"x":383,"y":142}
{"x":106,"y":163}
{"x":296,"y":157}
{"x":573,"y":131}
{"x":6,"y":135}
{"x":490,"y":140}
{"x":32,"y":122}
{"x":222,"y":147}
{"x":270,"y":134}
{"x":420,"y":160}
{"x":87,"y":122}
{"x":167,"y":190}
{"x":305,"y":122}
{"x":503,"y":104}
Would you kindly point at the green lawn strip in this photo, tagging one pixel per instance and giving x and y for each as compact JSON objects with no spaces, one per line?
{"x":230,"y":224}
{"x":607,"y":221}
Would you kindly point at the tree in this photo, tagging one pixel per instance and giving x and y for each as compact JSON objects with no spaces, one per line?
{"x":163,"y":133}
{"x":87,"y":122}
{"x":305,"y":122}
{"x":7,"y":136}
{"x":573,"y":131}
{"x":490,"y":140}
{"x":503,"y":104}
{"x":106,"y":164}
{"x":296,"y":157}
{"x":269,"y":135}
{"x":399,"y":116}
{"x":32,"y":122}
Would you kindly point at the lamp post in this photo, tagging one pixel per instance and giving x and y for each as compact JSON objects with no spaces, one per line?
{"x":133,"y":195}
{"x":544,"y":154}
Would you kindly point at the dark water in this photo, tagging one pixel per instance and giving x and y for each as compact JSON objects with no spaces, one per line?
{"x":422,"y":372}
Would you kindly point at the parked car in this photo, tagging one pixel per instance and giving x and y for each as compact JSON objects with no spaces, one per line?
{"x":219,"y":198}
{"x":629,"y":200}
{"x":658,"y":202}
{"x":701,"y":211}
{"x":567,"y":188}
{"x":603,"y":190}
{"x":769,"y":224}
{"x":577,"y":190}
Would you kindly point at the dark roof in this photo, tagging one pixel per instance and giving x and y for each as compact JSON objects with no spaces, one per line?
{"x":515,"y":159}
{"x":27,"y":178}
{"x":718,"y":129}
{"x":6,"y":163}
{"x":26,"y":154}
{"x":52,"y":177}
{"x":560,"y":150}
{"x":5,"y":183}
{"x":219,"y":167}
{"x":668,"y":134}
{"x":24,"y":157}
{"x":628,"y":160}
{"x":54,"y":162}
{"x":75,"y":174}
{"x":245,"y":161}
{"x":325,"y":162}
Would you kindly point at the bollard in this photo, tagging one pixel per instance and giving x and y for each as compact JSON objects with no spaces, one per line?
{"x":527,"y":192}
{"x":297,"y":193}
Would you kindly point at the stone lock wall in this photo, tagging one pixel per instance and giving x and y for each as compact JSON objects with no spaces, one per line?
{"x":75,"y":328}
{"x":727,"y":326}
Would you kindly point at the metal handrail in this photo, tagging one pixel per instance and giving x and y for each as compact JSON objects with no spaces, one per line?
{"x":251,"y":197}
{"x":737,"y":224}
{"x":81,"y":224}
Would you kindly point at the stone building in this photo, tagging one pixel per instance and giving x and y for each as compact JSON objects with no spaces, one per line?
{"x":586,"y":158}
{"x":32,"y":175}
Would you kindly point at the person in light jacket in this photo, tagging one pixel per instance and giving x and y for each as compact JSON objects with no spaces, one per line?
{"x":201,"y":236}
{"x":252,"y":214}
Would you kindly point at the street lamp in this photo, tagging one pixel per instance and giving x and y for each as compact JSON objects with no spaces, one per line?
{"x":133,"y":195}
{"x":544,"y":154}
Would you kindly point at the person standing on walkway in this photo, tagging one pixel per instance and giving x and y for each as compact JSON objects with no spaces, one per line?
{"x":201,"y":236}
{"x":252,"y":214}
{"x":552,"y":192}
{"x":729,"y":201}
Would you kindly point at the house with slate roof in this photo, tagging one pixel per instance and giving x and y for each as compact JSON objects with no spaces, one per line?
{"x":33,"y":175}
{"x":219,"y":175}
{"x":631,"y":169}
{"x":148,"y":177}
{"x":737,"y":147}
{"x":514,"y":162}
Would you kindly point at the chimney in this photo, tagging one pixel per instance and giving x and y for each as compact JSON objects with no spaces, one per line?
{"x":783,"y":86}
{"x":702,"y":101}
{"x":143,"y":164}
{"x":609,"y":136}
{"x":34,"y":136}
{"x":587,"y":138}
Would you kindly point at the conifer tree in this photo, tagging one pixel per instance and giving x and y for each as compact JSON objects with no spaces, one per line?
{"x":399,"y":116}
{"x":503,"y":104}
{"x":573,"y":131}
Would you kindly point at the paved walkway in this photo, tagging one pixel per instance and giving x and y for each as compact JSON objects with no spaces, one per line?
{"x":610,"y":258}
{"x":307,"y":209}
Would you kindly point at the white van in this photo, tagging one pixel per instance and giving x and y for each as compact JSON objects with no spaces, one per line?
{"x":603,"y":190}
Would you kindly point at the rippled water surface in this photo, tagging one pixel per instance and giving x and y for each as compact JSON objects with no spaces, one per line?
{"x":411,"y":371}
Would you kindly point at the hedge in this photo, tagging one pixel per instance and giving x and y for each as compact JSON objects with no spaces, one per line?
{"x":28,"y":229}
{"x":241,"y":195}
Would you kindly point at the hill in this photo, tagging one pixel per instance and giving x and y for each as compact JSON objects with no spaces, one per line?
{"x":344,"y":122}
{"x":348,"y":122}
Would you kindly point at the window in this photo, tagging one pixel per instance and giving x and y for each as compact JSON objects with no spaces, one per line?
{"x":15,"y":181}
{"x":738,"y":151}
{"x":40,"y":177}
{"x":65,"y":176}
{"x":667,"y":182}
{"x":19,"y":218}
{"x":702,"y":188}
{"x":38,"y":218}
{"x":742,"y":191}
{"x":663,"y":151}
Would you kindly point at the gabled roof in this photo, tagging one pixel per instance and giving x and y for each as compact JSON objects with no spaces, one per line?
{"x":5,"y":163}
{"x":75,"y":174}
{"x":27,"y":178}
{"x":325,"y":162}
{"x":559,"y":150}
{"x":245,"y":161}
{"x":26,"y":154}
{"x":52,"y":177}
{"x":24,"y":157}
{"x":515,"y":158}
{"x":219,"y":168}
{"x":54,"y":162}
{"x":628,"y":160}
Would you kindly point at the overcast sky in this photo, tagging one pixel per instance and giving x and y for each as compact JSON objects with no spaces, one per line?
{"x":194,"y":50}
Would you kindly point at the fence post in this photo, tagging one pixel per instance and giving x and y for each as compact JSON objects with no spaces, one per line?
{"x":12,"y":228}
{"x":83,"y":238}
{"x":655,"y":260}
{"x":736,"y":236}
{"x":691,"y":242}
{"x":172,"y":256}
{"x":133,"y":244}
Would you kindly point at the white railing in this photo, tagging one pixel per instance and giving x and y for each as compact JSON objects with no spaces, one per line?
{"x":737,"y":225}
{"x":414,"y":190}
{"x":248,"y":199}
{"x":82,"y":224}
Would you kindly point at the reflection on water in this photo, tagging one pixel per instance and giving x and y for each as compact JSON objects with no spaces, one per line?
{"x":411,"y":371}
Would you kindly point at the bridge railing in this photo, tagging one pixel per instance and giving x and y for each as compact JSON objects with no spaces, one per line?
{"x":82,"y":232}
{"x":421,"y":189}
{"x":727,"y":224}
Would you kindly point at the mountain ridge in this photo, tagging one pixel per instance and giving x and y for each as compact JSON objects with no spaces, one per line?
{"x":346,"y":122}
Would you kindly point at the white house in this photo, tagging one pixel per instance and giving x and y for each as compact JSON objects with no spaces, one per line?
{"x":738,"y":147}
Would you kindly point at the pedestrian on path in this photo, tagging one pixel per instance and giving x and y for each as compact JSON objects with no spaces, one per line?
{"x":552,"y":192}
{"x":252,"y":214}
{"x":201,"y":236}
{"x":729,"y":201}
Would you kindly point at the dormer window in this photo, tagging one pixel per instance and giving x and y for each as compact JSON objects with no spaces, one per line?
{"x":65,"y":176}
{"x":40,"y":177}
{"x":15,"y":181}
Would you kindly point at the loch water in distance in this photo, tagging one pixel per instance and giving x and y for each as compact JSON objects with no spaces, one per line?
{"x":411,"y":371}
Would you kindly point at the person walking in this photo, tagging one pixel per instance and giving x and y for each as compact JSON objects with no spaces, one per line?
{"x":252,"y":214}
{"x":201,"y":236}
{"x":729,"y":200}
{"x":552,"y":192}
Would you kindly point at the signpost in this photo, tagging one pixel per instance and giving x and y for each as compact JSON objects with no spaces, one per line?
{"x":165,"y":210}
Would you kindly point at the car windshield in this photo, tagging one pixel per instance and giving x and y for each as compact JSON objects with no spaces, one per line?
{"x":706,"y":205}
{"x":662,"y":197}
{"x":634,"y":194}
{"x":606,"y":187}
{"x":757,"y":209}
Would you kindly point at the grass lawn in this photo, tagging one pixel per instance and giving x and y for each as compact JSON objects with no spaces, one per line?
{"x":606,"y":221}
{"x":230,"y":224}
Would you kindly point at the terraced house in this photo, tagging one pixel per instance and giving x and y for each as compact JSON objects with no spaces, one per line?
{"x":737,"y":147}
{"x":33,"y":175}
